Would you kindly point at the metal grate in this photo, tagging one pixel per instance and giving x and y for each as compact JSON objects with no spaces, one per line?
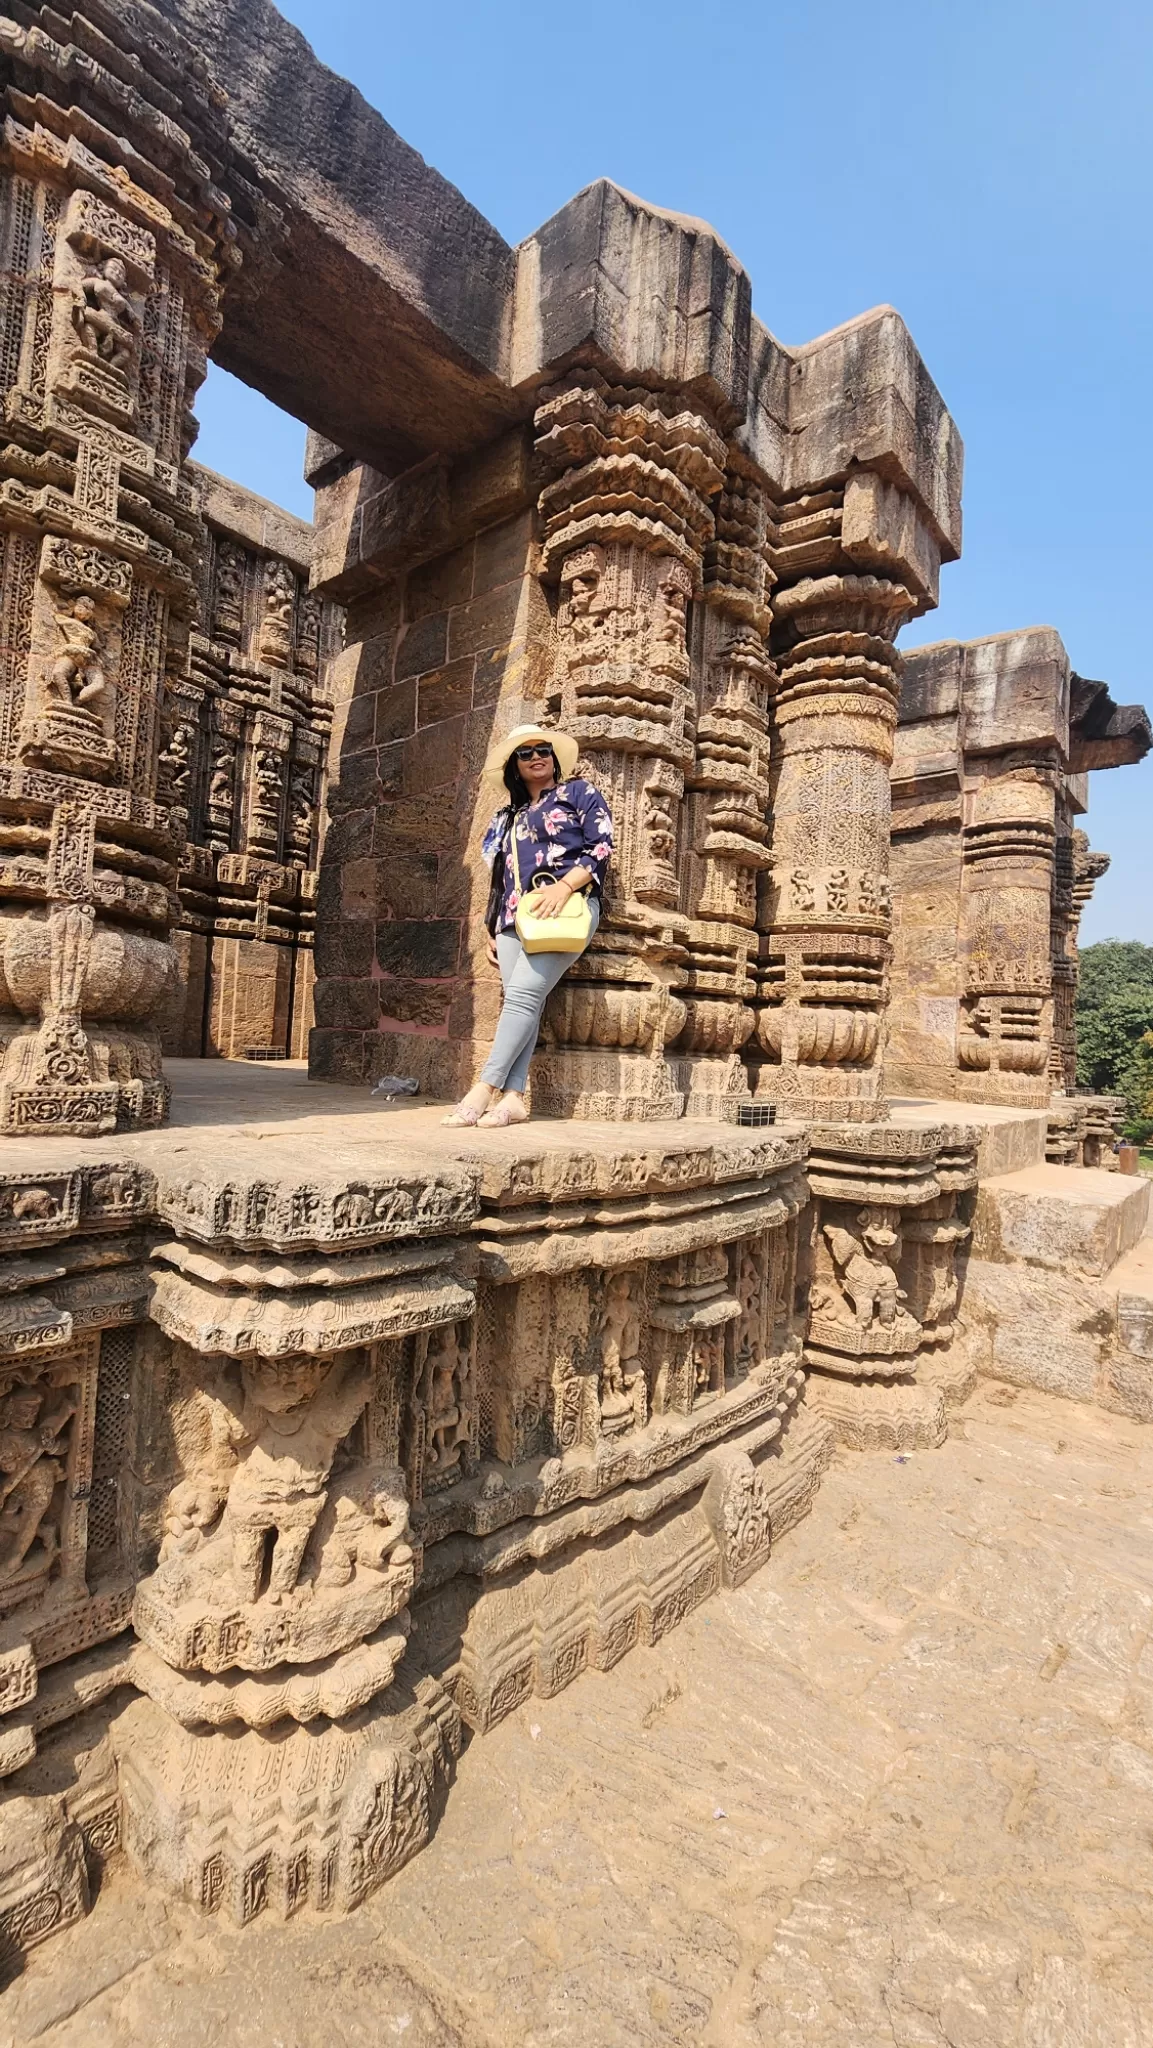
{"x":756,"y":1116}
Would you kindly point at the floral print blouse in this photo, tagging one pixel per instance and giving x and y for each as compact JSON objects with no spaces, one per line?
{"x":568,"y":827}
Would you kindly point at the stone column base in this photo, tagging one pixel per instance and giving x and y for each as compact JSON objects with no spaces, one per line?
{"x":881,"y":1415}
{"x":317,"y":1814}
{"x":517,"y":1637}
{"x":712,"y":1088}
{"x":92,"y":1110}
{"x":955,"y":1369}
{"x":605,"y":1086}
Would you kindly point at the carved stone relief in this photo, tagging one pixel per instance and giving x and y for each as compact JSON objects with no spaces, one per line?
{"x":109,"y":299}
{"x":258,"y":660}
{"x":884,"y":1285}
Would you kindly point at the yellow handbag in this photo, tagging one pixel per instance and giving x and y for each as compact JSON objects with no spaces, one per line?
{"x":568,"y":932}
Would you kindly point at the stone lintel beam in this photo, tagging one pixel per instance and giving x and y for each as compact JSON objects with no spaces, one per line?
{"x":1001,"y":693}
{"x":1016,"y":690}
{"x":859,"y":397}
{"x":636,"y":292}
{"x":370,"y":527}
{"x":380,"y":307}
{"x":1103,"y":734}
{"x":383,"y":319}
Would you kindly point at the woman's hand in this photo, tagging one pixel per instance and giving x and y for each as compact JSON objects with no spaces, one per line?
{"x":490,"y":952}
{"x":550,"y":898}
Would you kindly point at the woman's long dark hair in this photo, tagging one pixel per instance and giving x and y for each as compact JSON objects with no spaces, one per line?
{"x":514,"y":781}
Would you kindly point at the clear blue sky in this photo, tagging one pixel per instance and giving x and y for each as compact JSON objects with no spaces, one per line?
{"x":983,"y":165}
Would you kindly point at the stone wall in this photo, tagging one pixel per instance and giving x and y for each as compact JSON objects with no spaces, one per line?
{"x":990,"y":872}
{"x":244,"y":746}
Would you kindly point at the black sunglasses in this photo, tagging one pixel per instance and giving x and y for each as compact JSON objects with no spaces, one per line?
{"x":532,"y":753}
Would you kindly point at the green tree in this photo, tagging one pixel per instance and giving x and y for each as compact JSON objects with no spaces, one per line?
{"x":1114,"y":1018}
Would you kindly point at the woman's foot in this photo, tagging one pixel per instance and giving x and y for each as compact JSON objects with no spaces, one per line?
{"x":470,"y":1109}
{"x":509,"y":1110}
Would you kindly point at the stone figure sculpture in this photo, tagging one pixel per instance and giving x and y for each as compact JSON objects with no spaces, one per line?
{"x":77,"y":676}
{"x":269,"y":1472}
{"x":105,"y":318}
{"x":31,"y":1468}
{"x":176,"y":760}
{"x":622,"y":1387}
{"x":368,"y":1526}
{"x":864,"y":1267}
{"x":442,"y":1386}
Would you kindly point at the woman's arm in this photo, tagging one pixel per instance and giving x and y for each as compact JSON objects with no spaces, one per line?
{"x":494,"y":853}
{"x":550,"y":898}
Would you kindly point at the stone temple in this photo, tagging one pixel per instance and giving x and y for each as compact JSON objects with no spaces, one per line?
{"x":328,"y":1434}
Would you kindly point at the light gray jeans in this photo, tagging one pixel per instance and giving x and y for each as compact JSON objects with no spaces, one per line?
{"x":529,"y":979}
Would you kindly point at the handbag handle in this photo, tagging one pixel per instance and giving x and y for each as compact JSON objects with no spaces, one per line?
{"x":516,"y":867}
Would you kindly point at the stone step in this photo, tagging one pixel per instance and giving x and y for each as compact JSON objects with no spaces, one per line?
{"x":1058,"y":1291}
{"x":1069,"y":1219}
{"x":1007,"y":1139}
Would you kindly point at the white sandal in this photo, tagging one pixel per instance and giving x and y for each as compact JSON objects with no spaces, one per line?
{"x":504,"y":1115}
{"x":463,"y":1117}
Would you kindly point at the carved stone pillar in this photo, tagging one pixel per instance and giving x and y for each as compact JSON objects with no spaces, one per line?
{"x":1062,"y":964}
{"x":885,"y":1345}
{"x":727,"y":788}
{"x":825,"y":905}
{"x":625,"y":524}
{"x":1005,"y":1025}
{"x":113,"y":242}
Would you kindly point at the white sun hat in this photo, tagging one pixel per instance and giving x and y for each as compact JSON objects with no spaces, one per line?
{"x":563,"y":745}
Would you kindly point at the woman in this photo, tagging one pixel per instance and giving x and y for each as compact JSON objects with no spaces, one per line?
{"x":564,"y":831}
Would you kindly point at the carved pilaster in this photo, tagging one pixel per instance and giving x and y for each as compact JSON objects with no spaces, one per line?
{"x":1005,"y":1025}
{"x":1077,"y":869}
{"x":825,"y":906}
{"x":114,"y":249}
{"x":271,"y":1631}
{"x":885,"y":1343}
{"x":278,"y":597}
{"x":625,"y":525}
{"x":727,"y":783}
{"x":220,"y":801}
{"x":266,"y":779}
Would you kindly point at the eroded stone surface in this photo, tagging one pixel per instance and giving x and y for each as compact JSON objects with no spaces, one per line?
{"x":913,"y":1762}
